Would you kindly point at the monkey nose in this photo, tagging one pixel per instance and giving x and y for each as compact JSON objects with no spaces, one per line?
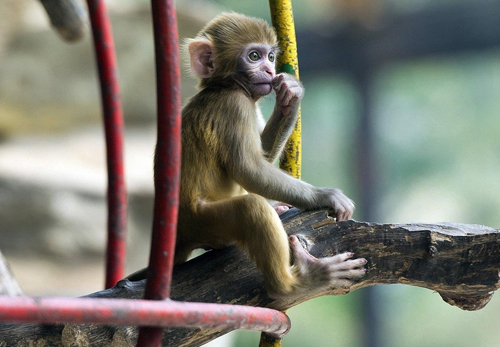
{"x":268,"y":69}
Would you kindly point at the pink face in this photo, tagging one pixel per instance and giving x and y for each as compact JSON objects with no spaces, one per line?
{"x":258,"y":64}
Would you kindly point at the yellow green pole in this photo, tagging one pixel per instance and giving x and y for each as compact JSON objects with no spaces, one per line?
{"x":282,"y":19}
{"x":268,"y":341}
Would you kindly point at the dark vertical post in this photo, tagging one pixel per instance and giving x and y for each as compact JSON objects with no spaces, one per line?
{"x":366,"y":177}
{"x":114,"y":128}
{"x":167,"y":161}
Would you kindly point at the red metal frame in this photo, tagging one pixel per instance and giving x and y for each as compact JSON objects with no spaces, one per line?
{"x":154,"y":315}
{"x":114,"y":128}
{"x":142,"y":312}
{"x":167,"y":160}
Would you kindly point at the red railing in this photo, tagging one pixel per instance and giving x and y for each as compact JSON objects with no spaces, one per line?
{"x":113,"y":126}
{"x":152,"y":316}
{"x":166,"y":313}
{"x":167,"y":160}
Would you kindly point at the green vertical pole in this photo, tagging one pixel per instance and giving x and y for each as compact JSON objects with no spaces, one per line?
{"x":282,"y":19}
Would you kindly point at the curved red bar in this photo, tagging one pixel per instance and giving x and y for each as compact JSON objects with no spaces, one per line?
{"x":167,"y":160}
{"x":142,"y":312}
{"x":168,"y":150}
{"x":114,"y":129}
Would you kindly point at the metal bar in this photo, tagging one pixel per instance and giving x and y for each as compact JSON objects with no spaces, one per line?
{"x":114,"y":129}
{"x":167,"y":160}
{"x":282,"y":19}
{"x":142,"y":312}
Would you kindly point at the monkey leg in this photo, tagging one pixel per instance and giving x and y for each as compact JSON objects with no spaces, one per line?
{"x":251,"y":222}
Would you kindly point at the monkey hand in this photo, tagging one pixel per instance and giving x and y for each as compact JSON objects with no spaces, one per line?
{"x":342,"y":206}
{"x":289,"y":92}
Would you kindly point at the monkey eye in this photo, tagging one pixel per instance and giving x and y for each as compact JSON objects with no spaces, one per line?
{"x":271,"y":57}
{"x":254,"y":56}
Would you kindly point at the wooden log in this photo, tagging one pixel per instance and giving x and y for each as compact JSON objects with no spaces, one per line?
{"x":459,"y":261}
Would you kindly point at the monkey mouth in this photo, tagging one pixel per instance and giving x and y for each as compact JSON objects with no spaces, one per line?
{"x":262,"y":88}
{"x":264,"y":83}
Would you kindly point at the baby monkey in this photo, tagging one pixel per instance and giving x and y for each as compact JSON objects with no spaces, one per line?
{"x":228,"y":151}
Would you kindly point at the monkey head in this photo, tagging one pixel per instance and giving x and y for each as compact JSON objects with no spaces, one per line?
{"x":235,"y":49}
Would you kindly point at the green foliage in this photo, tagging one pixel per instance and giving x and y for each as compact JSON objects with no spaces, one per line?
{"x":437,"y":126}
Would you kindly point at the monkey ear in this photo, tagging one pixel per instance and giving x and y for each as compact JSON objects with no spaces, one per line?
{"x":202,"y":56}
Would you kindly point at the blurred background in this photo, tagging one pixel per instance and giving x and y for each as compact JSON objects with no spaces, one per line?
{"x":401,"y":112}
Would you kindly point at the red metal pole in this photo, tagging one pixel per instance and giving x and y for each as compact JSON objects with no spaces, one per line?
{"x":113,"y":124}
{"x":167,"y":160}
{"x":142,"y":312}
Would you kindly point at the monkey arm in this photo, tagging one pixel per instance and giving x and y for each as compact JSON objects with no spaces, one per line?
{"x":289,"y":92}
{"x":241,"y":155}
{"x":276,"y":132}
{"x":246,"y":164}
{"x":266,"y":180}
{"x":256,"y":175}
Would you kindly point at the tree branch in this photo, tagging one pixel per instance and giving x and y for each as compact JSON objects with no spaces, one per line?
{"x":459,"y":261}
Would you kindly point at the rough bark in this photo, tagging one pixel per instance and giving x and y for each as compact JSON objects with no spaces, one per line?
{"x":459,"y":261}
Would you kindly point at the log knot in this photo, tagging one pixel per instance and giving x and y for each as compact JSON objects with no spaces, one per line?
{"x":433,"y":251}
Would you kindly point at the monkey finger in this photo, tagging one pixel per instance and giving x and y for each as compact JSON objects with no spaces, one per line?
{"x":344,"y":207}
{"x":345,"y":214}
{"x":277,"y":81}
{"x":350,"y":264}
{"x":280,"y":93}
{"x":348,"y":210}
{"x":277,"y":90}
{"x":349,"y":213}
{"x":349,"y":204}
{"x":337,"y":258}
{"x":287,"y":98}
{"x":349,"y":274}
{"x":340,"y":213}
{"x":283,"y":101}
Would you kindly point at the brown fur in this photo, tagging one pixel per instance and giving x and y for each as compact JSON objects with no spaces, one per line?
{"x":229,"y":33}
{"x":226,"y":153}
